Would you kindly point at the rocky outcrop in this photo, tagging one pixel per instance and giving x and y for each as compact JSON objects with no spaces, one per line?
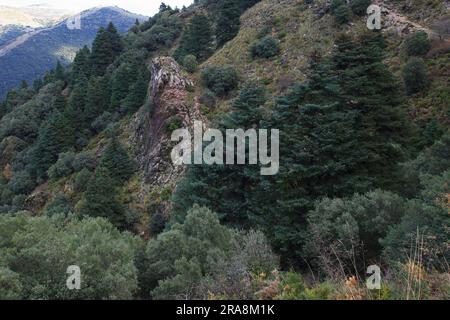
{"x":171,"y":105}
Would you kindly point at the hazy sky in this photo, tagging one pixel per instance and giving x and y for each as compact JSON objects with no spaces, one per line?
{"x":145,"y":7}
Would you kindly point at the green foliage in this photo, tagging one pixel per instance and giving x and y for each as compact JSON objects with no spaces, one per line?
{"x":418,"y":44}
{"x":415,"y":76}
{"x":345,"y":233}
{"x":220,"y":80}
{"x":101,"y":200}
{"x":106,"y":48}
{"x":137,"y":94}
{"x":266,"y":48}
{"x":80,"y":66}
{"x":124,"y":76}
{"x":116,"y":162}
{"x":177,"y":259}
{"x":10,"y":286}
{"x":190,"y":63}
{"x":342,"y":14}
{"x":163,"y":31}
{"x":59,"y":206}
{"x":36,"y":253}
{"x":426,"y":224}
{"x":55,"y":137}
{"x":359,"y":7}
{"x":197,"y":39}
{"x":228,"y":21}
{"x":223,"y":188}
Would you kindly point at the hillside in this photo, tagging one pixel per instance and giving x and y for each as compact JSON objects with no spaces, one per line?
{"x":31,"y":54}
{"x":363,"y":173}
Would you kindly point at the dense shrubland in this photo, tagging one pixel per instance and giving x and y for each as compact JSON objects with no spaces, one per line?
{"x":360,"y":182}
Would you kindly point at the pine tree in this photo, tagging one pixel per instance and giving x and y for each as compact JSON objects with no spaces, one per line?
{"x":56,"y":136}
{"x":100,"y":199}
{"x":80,"y":65}
{"x":197,"y":40}
{"x":122,"y":79}
{"x":60,"y":102}
{"x":59,"y":73}
{"x":138,"y":92}
{"x":97,"y":98}
{"x":228,"y":21}
{"x":116,"y":162}
{"x":225,"y":188}
{"x":105,"y":48}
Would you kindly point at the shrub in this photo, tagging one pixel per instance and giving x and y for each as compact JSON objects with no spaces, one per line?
{"x":336,"y":4}
{"x":415,"y":76}
{"x":38,"y":251}
{"x":157,"y":223}
{"x":22,"y":183}
{"x":418,"y":44}
{"x":343,"y":14}
{"x":220,"y":80}
{"x":63,"y":167}
{"x":190,"y":63}
{"x":82,"y":179}
{"x":359,"y":7}
{"x":208,"y":99}
{"x":265,"y":48}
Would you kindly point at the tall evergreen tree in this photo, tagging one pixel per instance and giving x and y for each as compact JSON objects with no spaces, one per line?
{"x":228,"y":21}
{"x":197,"y":40}
{"x":59,"y":74}
{"x":105,"y":48}
{"x":56,"y":136}
{"x":100,"y":199}
{"x":80,"y":65}
{"x":138,"y":92}
{"x":117,"y":163}
{"x":224,"y":188}
{"x":124,"y":76}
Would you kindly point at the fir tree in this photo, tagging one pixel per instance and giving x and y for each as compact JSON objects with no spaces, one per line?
{"x":80,"y":65}
{"x":122,"y":79}
{"x":100,"y":199}
{"x":197,"y":40}
{"x":59,"y":73}
{"x":224,"y":188}
{"x":105,"y":48}
{"x":56,"y":136}
{"x":116,"y":162}
{"x":228,"y":21}
{"x":138,"y":92}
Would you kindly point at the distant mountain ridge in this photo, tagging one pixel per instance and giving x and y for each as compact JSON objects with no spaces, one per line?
{"x":36,"y":16}
{"x":34,"y":52}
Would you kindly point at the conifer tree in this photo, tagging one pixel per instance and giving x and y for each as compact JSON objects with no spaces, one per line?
{"x":56,"y":136}
{"x":197,"y":40}
{"x":100,"y":199}
{"x":105,"y":48}
{"x":228,"y":21}
{"x":97,"y":98}
{"x":225,"y":188}
{"x":59,"y":73}
{"x":116,"y":162}
{"x":138,"y":92}
{"x":80,"y":65}
{"x":124,"y":76}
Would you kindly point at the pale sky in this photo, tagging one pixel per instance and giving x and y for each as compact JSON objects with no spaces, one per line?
{"x":145,"y":7}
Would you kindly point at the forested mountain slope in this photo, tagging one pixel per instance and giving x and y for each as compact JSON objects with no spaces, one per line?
{"x":33,"y":53}
{"x":364,"y":157}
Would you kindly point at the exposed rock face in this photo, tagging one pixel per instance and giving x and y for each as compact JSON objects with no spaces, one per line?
{"x":171,"y":106}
